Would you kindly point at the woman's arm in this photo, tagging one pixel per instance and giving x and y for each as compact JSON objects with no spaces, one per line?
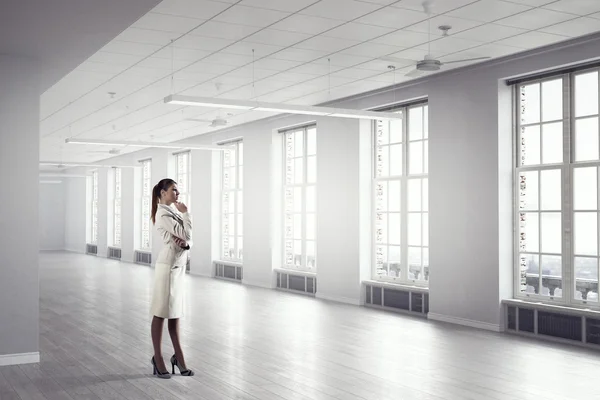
{"x":182,"y":231}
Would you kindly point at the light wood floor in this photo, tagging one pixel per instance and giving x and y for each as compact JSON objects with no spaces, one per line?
{"x":250,"y":343}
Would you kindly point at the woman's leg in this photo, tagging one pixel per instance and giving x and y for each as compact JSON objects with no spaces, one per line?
{"x":156,"y":330}
{"x":174,"y":333}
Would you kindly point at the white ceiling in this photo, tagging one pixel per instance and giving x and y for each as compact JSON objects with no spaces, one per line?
{"x":293,"y":41}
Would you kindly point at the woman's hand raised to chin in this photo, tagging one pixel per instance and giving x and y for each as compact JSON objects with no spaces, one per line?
{"x":181,"y":207}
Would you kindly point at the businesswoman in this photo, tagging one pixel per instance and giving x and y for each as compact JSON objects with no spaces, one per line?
{"x":174,"y":224}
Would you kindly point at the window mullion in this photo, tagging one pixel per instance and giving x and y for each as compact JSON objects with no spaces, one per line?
{"x":567,"y":209}
{"x":404,"y":197}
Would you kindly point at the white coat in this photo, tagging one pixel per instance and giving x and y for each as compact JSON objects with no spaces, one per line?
{"x":169,"y":269}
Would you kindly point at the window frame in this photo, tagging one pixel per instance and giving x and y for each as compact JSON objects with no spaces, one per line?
{"x":148,"y":198}
{"x":94,"y":211}
{"x":303,"y":187}
{"x":567,"y":168}
{"x":186,"y":195}
{"x":404,"y":178}
{"x":117,"y":239}
{"x":233,"y":195}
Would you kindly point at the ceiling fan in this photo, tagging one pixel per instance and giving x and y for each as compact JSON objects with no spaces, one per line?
{"x":214,"y":123}
{"x":429,"y":63}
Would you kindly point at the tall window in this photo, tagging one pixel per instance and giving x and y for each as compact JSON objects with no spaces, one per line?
{"x":557,"y":174}
{"x":117,"y":208}
{"x":299,"y":185}
{"x":146,"y":242}
{"x":95,"y":207}
{"x":401,"y":197}
{"x":232,"y":203}
{"x":183,"y":177}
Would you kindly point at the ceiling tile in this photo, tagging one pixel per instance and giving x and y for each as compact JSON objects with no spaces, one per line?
{"x":181,"y":54}
{"x":303,"y":55}
{"x":531,"y":40}
{"x":279,"y":5}
{"x":133,"y":48}
{"x":488,"y":10}
{"x":535,"y":19}
{"x":533,"y":3}
{"x":315,"y":69}
{"x":326,"y":44}
{"x":346,"y":10}
{"x":449,"y":44}
{"x":575,"y":27}
{"x":167,"y":23}
{"x":343,"y":60}
{"x":371,"y":49}
{"x":393,"y":18}
{"x":595,"y":15}
{"x":489,"y":33}
{"x":356,"y":31}
{"x":404,"y":38}
{"x":438,"y":7}
{"x":191,"y":8}
{"x":277,"y":37}
{"x":224,"y":30}
{"x":457,"y":24}
{"x":146,"y":36}
{"x":235,"y":60}
{"x":245,"y":48}
{"x":203,"y":43}
{"x":579,"y":7}
{"x":306,"y":24}
{"x":259,"y":17}
{"x":276,"y":64}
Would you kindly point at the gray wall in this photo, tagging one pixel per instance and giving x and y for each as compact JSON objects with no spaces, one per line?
{"x":52,"y":216}
{"x":19,"y":221}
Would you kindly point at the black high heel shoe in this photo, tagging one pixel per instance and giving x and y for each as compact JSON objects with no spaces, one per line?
{"x":187,"y":372}
{"x":155,"y":371}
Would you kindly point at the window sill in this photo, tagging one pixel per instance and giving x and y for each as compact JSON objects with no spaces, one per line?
{"x":295,"y":272}
{"x":588,"y":312}
{"x":390,"y":285}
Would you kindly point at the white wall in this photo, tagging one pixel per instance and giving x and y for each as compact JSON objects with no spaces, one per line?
{"x":76,"y":205}
{"x":52,"y":216}
{"x":470,"y":187}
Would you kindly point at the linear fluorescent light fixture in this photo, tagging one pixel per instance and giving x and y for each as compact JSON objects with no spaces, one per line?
{"x":100,"y":142}
{"x":58,"y":175}
{"x":280,"y":108}
{"x":83,"y":164}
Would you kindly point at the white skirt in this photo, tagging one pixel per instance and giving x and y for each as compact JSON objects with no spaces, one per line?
{"x":167,"y":299}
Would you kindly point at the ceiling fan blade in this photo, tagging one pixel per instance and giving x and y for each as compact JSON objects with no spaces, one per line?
{"x":198,"y":120}
{"x":414,"y":73}
{"x":466,"y":59}
{"x":397,"y":60}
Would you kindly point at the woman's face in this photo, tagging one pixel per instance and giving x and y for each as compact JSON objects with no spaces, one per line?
{"x":170,"y":195}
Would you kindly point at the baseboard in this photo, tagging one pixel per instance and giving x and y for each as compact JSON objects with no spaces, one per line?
{"x":338,"y":299}
{"x":464,"y":322}
{"x":200,"y":274}
{"x":75,"y":251}
{"x":256,"y":284}
{"x":16,"y":359}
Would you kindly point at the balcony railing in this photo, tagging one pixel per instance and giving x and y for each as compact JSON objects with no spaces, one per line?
{"x":553,"y":282}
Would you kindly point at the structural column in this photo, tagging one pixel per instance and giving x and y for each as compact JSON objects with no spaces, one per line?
{"x":19,"y":214}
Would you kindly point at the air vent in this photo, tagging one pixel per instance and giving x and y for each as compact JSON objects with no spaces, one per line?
{"x":227,"y":270}
{"x":294,"y":282}
{"x":143,"y":257}
{"x":397,"y":299}
{"x":572,"y":325}
{"x":91,"y":249}
{"x":114,"y":253}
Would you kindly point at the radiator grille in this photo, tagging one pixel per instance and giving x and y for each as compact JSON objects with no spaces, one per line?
{"x":91,"y":249}
{"x":295,"y":282}
{"x":114,"y":253}
{"x":228,"y":271}
{"x":568,"y":325}
{"x":143,"y":257}
{"x":397,"y":299}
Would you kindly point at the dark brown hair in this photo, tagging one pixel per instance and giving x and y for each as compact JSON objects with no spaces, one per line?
{"x":164,"y":184}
